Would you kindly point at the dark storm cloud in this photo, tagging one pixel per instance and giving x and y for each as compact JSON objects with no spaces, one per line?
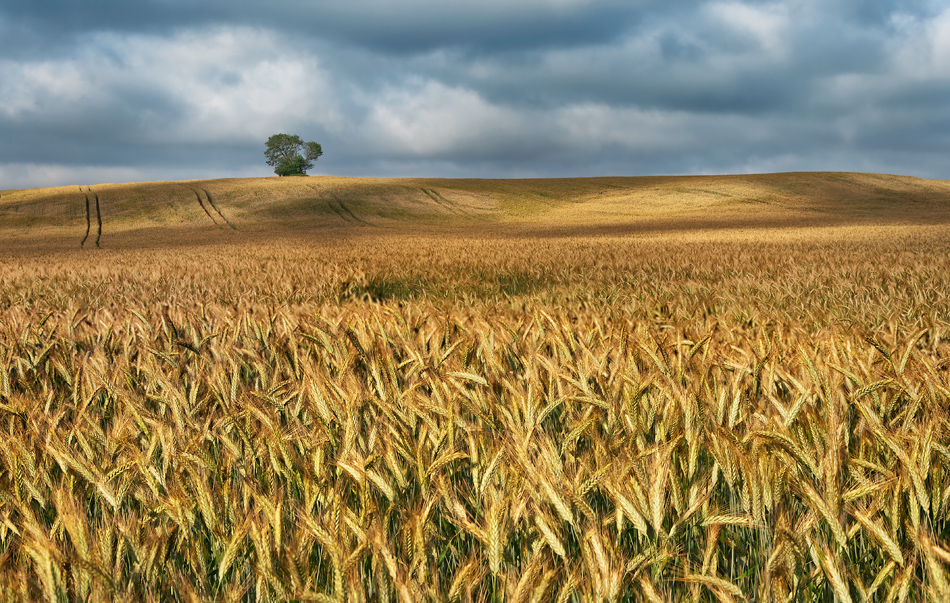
{"x":401,"y":27}
{"x":177,"y":89}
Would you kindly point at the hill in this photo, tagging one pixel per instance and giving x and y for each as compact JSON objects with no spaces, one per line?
{"x":184,"y":210}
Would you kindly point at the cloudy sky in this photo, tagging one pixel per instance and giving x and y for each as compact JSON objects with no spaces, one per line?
{"x":98,"y":91}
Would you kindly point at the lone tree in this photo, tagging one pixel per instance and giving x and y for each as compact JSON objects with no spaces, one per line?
{"x":283,"y":152}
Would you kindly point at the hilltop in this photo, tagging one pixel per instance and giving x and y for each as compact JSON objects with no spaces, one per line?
{"x":206,"y":209}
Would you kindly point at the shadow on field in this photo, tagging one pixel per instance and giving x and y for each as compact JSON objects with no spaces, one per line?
{"x":489,"y":287}
{"x":658,"y":226}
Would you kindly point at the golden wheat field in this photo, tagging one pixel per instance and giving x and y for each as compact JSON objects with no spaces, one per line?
{"x":668,"y":389}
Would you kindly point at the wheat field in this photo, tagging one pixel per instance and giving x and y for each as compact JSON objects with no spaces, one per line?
{"x":541,"y":408}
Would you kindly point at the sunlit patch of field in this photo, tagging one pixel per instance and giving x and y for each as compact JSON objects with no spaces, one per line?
{"x":170,"y":210}
{"x":666,"y":389}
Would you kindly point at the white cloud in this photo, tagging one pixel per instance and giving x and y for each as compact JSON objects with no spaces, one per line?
{"x":220,"y":85}
{"x":767,"y":25}
{"x":41,"y":87}
{"x":922,"y":50}
{"x":592,"y":126}
{"x":236,"y":84}
{"x":429,"y":118}
{"x":26,"y":175}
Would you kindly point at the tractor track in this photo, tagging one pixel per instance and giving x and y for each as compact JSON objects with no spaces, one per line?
{"x":89,"y":216}
{"x":88,"y":220}
{"x":342,"y":209}
{"x":442,"y":201}
{"x":218,"y":211}
{"x":337,"y":211}
{"x":98,"y":216}
{"x":208,"y":213}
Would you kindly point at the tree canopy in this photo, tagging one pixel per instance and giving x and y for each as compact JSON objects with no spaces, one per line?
{"x":283,"y":152}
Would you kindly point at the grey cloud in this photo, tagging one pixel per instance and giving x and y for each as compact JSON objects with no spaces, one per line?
{"x":495,"y":88}
{"x":404,"y":27}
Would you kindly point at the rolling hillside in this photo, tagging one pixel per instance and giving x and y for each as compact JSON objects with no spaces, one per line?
{"x":325,"y":389}
{"x":215,"y":208}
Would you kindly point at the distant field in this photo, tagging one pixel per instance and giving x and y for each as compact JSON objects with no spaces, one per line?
{"x":165,"y":211}
{"x":609,"y":389}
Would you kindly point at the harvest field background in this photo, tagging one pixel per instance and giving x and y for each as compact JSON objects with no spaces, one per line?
{"x":620,"y":389}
